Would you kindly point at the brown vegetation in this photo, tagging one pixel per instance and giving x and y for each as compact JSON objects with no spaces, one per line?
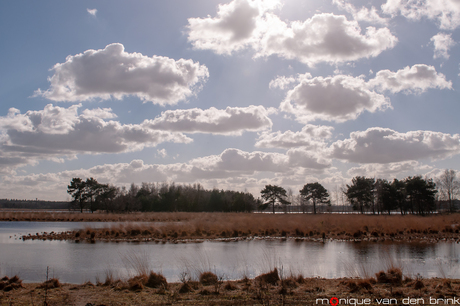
{"x":51,"y":283}
{"x":8,"y":284}
{"x":293,"y":290}
{"x":208,"y":278}
{"x":271,"y":277}
{"x":392,"y":276}
{"x":186,"y":226}
{"x":73,"y":216}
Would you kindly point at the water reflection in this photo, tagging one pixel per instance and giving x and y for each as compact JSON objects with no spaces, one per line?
{"x":80,"y":262}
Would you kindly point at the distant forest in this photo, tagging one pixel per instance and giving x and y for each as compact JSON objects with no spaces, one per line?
{"x":413,"y":195}
{"x":89,"y":194}
{"x":33,"y":204}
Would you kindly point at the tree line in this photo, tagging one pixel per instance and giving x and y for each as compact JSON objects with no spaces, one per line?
{"x":33,"y":204}
{"x":415,"y":195}
{"x":89,"y":194}
{"x":412,"y":195}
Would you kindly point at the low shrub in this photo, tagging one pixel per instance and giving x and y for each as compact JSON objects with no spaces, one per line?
{"x":419,"y":284}
{"x":269,"y":278}
{"x":137,"y":283}
{"x":352,"y":286}
{"x":392,"y":276}
{"x":156,"y":281}
{"x":185,"y":288}
{"x":8,"y":284}
{"x":230,"y":286}
{"x":208,"y":278}
{"x":14,"y":279}
{"x":51,"y":283}
{"x":300,"y":279}
{"x":365,"y":283}
{"x":289,"y":282}
{"x":205,"y":292}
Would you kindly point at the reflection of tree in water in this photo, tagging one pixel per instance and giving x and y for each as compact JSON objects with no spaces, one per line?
{"x":364,"y":249}
{"x":429,"y":259}
{"x":396,"y":249}
{"x":386,"y":255}
{"x":421,"y":250}
{"x":447,"y":261}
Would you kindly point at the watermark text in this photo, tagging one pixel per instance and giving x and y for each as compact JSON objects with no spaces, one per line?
{"x":334,"y":301}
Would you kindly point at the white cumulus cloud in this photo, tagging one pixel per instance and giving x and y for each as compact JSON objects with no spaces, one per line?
{"x":417,"y":78}
{"x":231,"y":121}
{"x":235,"y":27}
{"x":363,"y":14}
{"x":342,"y":97}
{"x":442,"y":43}
{"x":337,"y":98}
{"x":112,"y":72}
{"x":383,"y":145}
{"x":56,"y":131}
{"x":322,"y":38}
{"x":445,"y":12}
{"x":232,"y":169}
{"x":250,"y":162}
{"x":311,"y":136}
{"x":389,"y":171}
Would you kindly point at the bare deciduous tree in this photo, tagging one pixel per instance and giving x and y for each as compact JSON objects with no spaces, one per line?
{"x":449,"y":186}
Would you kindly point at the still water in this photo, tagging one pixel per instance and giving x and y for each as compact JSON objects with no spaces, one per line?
{"x":80,"y":262}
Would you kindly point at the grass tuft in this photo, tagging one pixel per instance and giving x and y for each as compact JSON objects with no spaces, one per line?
{"x":208,"y":278}
{"x":392,"y":276}
{"x":185,"y":288}
{"x":271,"y":277}
{"x":8,"y":284}
{"x":230,"y":286}
{"x":136,"y":283}
{"x":156,"y":281}
{"x":51,"y":284}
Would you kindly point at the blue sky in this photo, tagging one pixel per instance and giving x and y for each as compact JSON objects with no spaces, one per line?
{"x":230,"y":94}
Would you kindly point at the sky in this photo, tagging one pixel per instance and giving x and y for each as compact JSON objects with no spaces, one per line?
{"x":229,"y":94}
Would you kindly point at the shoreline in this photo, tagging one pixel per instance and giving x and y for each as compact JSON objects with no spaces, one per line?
{"x":286,"y":290}
{"x":77,"y":237}
{"x":258,"y":291}
{"x":183,"y":227}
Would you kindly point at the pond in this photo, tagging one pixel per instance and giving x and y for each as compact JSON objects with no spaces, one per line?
{"x":80,"y":262}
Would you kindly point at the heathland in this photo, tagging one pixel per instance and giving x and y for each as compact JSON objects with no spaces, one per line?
{"x":181,"y":225}
{"x":273,"y":288}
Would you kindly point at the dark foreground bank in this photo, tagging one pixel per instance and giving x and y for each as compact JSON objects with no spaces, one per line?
{"x":385,"y":288}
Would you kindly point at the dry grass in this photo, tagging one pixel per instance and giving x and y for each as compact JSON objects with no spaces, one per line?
{"x":208,"y":278}
{"x":271,"y":277}
{"x":248,"y":292}
{"x":156,"y":281}
{"x":8,"y":284}
{"x":392,"y":276}
{"x":74,"y":216}
{"x":178,"y":226}
{"x":51,"y":283}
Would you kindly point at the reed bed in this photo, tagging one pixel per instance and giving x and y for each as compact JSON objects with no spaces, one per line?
{"x":183,"y":226}
{"x":74,"y":216}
